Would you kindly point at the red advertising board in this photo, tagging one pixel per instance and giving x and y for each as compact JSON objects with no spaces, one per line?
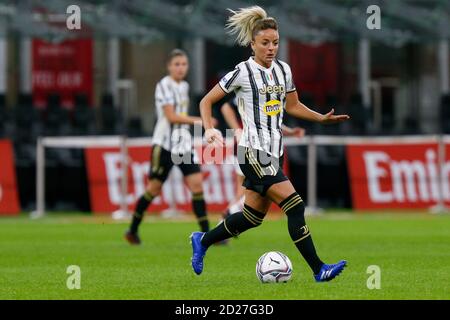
{"x":9,"y":199}
{"x":105,"y":172}
{"x":403,"y":176}
{"x":64,"y":68}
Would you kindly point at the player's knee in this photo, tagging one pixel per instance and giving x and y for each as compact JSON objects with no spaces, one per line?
{"x":154,"y":188}
{"x":293,"y":204}
{"x":196,"y":186}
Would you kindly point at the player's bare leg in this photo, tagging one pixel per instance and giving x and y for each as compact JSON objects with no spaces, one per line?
{"x":195,"y":184}
{"x":237,"y":203}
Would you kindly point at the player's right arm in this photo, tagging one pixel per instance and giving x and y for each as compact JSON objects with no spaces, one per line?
{"x":230,"y":82}
{"x":212,"y":135}
{"x":175,"y":118}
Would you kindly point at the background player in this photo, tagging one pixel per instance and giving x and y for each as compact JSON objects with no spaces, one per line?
{"x":172,"y":143}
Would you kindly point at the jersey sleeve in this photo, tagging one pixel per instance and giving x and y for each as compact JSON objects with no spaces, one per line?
{"x":231,"y":81}
{"x":164,"y":95}
{"x":290,"y":86}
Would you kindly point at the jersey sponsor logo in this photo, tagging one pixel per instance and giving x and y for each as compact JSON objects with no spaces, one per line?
{"x":277,"y":89}
{"x":272,"y":107}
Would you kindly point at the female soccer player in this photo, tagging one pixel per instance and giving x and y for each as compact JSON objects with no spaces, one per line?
{"x":172,"y":144}
{"x":264,"y":89}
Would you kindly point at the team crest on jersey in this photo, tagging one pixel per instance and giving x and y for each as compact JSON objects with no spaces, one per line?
{"x":272,"y":107}
{"x":271,"y":89}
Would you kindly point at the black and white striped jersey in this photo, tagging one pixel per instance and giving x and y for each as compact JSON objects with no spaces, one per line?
{"x":172,"y":137}
{"x":261,"y":99}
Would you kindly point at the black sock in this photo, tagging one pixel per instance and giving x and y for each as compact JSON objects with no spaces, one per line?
{"x":233,"y":225}
{"x":294,"y":208}
{"x":199,"y":206}
{"x":141,"y":205}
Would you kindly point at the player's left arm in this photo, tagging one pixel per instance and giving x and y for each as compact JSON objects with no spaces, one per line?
{"x":297,"y":109}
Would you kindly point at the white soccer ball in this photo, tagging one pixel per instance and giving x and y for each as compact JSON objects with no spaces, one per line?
{"x":274,"y":266}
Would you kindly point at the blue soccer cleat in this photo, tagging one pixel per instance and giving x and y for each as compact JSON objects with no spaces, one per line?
{"x":198,"y":252}
{"x":330,"y":271}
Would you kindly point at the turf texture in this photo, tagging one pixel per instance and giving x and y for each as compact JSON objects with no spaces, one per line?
{"x":411,"y":250}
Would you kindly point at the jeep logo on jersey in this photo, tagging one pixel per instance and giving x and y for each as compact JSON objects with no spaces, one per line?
{"x":271,"y":89}
{"x":272,"y":107}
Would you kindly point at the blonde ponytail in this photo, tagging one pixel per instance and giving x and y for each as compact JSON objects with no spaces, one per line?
{"x":247,"y":22}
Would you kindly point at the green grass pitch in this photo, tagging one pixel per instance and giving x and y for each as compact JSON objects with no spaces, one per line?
{"x":412,"y":251}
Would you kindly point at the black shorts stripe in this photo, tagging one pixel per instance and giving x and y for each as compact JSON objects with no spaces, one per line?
{"x":268,"y":98}
{"x":235,"y":74}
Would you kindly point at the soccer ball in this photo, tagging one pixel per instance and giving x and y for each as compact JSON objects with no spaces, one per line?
{"x":273,"y":267}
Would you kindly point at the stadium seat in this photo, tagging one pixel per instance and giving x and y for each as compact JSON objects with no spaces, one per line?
{"x":411,"y":126}
{"x":83,"y":117}
{"x":388,"y":125}
{"x":5,"y":124}
{"x":57,"y":121}
{"x":444,"y":113}
{"x":27,"y":120}
{"x":359,"y":115}
{"x":109,"y":116}
{"x":135,"y":127}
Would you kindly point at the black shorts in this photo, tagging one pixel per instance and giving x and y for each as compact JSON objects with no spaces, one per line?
{"x":162,"y":161}
{"x":260,"y":169}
